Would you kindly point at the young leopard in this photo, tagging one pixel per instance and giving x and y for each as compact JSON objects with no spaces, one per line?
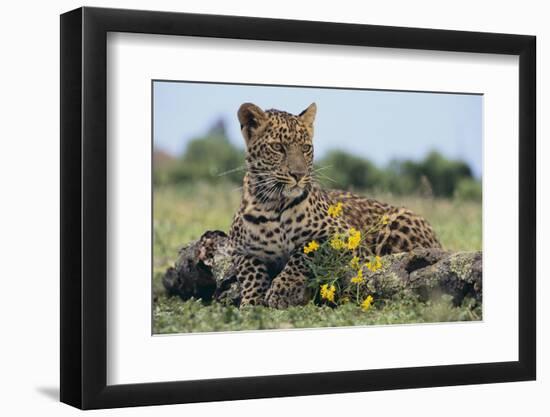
{"x":282,"y":209}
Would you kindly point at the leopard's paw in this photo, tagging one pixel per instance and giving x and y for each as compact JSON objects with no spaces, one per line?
{"x":281,"y":296}
{"x":274,"y":299}
{"x":251,"y":301}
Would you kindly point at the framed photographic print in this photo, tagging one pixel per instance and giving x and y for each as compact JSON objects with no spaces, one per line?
{"x":254,"y":208}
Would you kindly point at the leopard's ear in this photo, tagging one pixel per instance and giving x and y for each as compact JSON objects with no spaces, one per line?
{"x":308,"y":115}
{"x":251,"y":118}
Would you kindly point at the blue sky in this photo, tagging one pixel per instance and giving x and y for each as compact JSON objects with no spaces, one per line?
{"x":379,"y":125}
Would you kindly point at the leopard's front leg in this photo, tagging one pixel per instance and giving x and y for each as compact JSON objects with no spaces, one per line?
{"x":253,"y":278}
{"x":290,"y":287}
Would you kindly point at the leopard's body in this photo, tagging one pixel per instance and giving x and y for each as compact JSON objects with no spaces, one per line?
{"x":282,"y":209}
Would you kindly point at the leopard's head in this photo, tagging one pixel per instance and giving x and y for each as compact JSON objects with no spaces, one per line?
{"x":279,"y":149}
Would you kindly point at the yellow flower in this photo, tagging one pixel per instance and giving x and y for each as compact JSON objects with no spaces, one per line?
{"x":335,"y":210}
{"x":311,"y":247}
{"x":385,"y":219}
{"x":327,"y":293}
{"x":365,"y":305}
{"x":358,"y":279}
{"x":354,"y":239}
{"x":374,"y":265}
{"x":354,"y":263}
{"x":337,"y":243}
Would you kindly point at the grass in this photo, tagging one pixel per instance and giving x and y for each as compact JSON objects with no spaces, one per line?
{"x":174,"y":316}
{"x":182,"y":214}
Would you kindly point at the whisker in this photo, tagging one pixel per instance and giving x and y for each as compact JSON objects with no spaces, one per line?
{"x":273,"y":192}
{"x":262,"y":197}
{"x":261,"y":184}
{"x":240,"y":168}
{"x":326,"y":177}
{"x":322,"y":168}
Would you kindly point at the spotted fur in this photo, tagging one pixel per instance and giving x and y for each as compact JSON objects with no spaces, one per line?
{"x":282,"y":209}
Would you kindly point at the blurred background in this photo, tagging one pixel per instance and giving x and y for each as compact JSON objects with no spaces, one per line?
{"x":395,"y":142}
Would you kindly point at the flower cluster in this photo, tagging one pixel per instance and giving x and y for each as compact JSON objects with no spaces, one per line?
{"x":327,"y":292}
{"x":339,"y":266}
{"x":337,"y":243}
{"x":351,"y":240}
{"x":311,"y":247}
{"x":365,"y":305}
{"x":354,"y":239}
{"x":358,"y":279}
{"x":335,"y":210}
{"x":375,"y":264}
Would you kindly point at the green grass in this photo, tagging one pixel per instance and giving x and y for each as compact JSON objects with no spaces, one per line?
{"x":174,"y":316}
{"x":182,"y":214}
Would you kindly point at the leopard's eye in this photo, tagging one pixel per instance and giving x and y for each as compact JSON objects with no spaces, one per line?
{"x":306,"y":148}
{"x":277,"y":147}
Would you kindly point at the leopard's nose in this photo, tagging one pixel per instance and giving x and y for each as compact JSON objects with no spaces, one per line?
{"x":297,"y":174}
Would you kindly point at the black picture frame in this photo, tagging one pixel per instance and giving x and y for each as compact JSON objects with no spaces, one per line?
{"x":84,"y":207}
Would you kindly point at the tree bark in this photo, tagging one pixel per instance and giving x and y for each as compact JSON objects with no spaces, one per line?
{"x":203,"y":270}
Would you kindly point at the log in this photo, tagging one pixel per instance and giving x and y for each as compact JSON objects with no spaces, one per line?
{"x":203,"y":270}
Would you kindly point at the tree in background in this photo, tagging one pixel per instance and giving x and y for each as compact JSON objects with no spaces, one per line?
{"x":442,"y":174}
{"x":339,"y":169}
{"x":210,"y":158}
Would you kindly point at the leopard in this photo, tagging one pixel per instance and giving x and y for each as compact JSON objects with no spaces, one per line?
{"x":283,"y":207}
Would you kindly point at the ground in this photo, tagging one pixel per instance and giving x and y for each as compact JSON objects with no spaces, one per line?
{"x":182,"y":214}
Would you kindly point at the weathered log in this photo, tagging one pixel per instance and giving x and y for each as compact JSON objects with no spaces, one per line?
{"x":203,"y":270}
